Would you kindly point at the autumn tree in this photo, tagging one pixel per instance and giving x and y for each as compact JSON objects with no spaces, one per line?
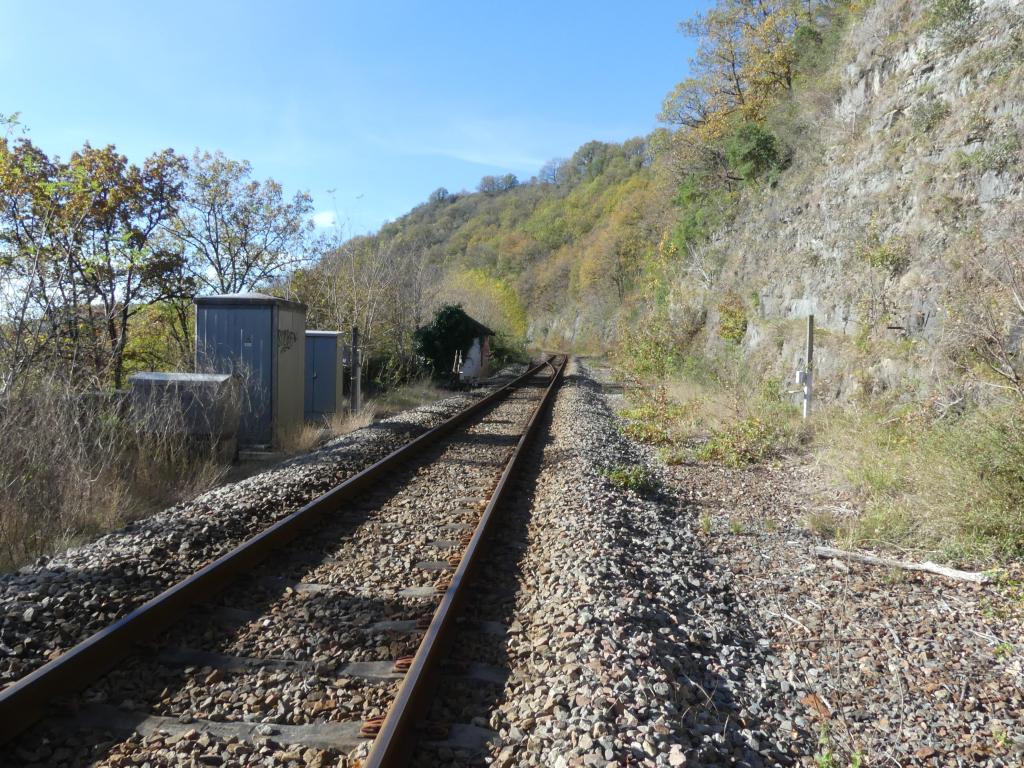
{"x":488,"y":299}
{"x":111,"y":215}
{"x":374,"y":282}
{"x":552,"y":172}
{"x":745,"y":57}
{"x":494,"y":184}
{"x":80,"y":242}
{"x":745,"y":61}
{"x":28,"y":221}
{"x":439,"y":195}
{"x":236,"y":232}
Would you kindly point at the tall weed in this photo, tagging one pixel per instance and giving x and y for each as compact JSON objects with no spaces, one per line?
{"x":78,"y":464}
{"x":951,"y":487}
{"x":718,"y":410}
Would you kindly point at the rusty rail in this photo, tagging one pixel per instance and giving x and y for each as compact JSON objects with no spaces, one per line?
{"x":24,"y":702}
{"x":397,"y":736}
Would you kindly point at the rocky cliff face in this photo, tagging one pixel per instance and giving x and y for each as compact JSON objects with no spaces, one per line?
{"x":912,"y":181}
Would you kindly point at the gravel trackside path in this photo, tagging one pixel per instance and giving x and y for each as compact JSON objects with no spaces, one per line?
{"x":905,"y":669}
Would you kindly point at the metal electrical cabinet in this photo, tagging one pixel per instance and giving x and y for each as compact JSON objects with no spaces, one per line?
{"x":261,"y":339}
{"x":325,"y":374}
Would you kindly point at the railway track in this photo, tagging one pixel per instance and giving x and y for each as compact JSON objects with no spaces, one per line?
{"x":319,"y":641}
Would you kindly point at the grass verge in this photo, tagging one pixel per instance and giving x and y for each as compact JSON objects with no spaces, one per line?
{"x":948,"y":487}
{"x":945,"y":486}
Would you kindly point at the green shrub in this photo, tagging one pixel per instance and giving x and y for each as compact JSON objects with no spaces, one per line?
{"x":927,"y":113}
{"x":893,"y":255}
{"x":892,"y":258}
{"x":952,"y":20}
{"x":753,"y":151}
{"x":732,"y":318}
{"x":656,"y":421}
{"x":634,"y":478}
{"x":702,"y":210}
{"x":643,"y":424}
{"x":451,"y":331}
{"x":807,"y":44}
{"x":1001,"y":154}
{"x":506,"y":350}
{"x":656,"y":348}
{"x":749,"y":441}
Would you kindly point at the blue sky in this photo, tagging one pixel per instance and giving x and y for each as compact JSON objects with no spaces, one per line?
{"x":381,"y":101}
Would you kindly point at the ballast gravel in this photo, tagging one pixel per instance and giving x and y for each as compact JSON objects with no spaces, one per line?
{"x":275,"y":647}
{"x":621,"y":650}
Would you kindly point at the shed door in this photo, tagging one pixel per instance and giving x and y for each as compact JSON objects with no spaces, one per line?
{"x":255,"y":357}
{"x":321,"y":376}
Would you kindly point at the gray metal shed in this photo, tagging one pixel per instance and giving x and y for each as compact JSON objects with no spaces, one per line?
{"x":326,"y":355}
{"x":261,"y":339}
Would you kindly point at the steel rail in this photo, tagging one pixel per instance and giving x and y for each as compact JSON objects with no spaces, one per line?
{"x":396,"y":739}
{"x":24,"y":702}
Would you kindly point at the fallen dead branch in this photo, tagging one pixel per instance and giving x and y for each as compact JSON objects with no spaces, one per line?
{"x":942,"y":570}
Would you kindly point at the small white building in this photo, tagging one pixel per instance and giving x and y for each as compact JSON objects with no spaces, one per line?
{"x":476,"y":364}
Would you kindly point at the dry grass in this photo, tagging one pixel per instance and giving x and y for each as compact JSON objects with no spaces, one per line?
{"x":718,"y":406}
{"x":75,"y":465}
{"x":302,"y":439}
{"x":311,"y":435}
{"x":718,"y":411}
{"x":949,"y":488}
{"x":344,"y":422}
{"x":412,"y":395}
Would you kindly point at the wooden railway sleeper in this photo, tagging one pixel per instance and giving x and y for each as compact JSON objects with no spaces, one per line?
{"x":370,"y":728}
{"x":402,"y":664}
{"x":434,"y":730}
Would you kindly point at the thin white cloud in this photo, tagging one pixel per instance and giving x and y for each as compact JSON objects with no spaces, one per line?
{"x":512,"y":144}
{"x":324,"y":219}
{"x":492,"y":157}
